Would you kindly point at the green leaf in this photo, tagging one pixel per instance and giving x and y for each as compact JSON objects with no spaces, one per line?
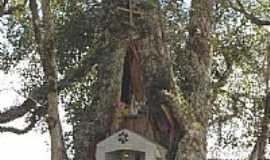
{"x":152,"y":3}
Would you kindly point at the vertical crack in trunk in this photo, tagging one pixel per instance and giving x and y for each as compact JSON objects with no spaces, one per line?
{"x":132,"y":86}
{"x":126,"y":89}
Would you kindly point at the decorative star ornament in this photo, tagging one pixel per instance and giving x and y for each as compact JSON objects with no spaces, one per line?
{"x":123,"y":137}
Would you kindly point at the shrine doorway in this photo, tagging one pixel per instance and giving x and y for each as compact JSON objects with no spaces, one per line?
{"x":125,"y":155}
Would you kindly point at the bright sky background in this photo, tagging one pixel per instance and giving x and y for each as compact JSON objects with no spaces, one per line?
{"x":31,"y":146}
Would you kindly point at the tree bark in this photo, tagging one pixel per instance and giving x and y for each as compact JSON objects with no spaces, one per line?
{"x":95,"y":122}
{"x":259,"y":149}
{"x":46,"y":48}
{"x":175,"y":117}
{"x":196,"y":88}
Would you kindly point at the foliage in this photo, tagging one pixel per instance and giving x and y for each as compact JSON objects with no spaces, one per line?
{"x":81,"y":27}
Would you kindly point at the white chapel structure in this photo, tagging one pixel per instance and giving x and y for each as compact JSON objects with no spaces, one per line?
{"x":127,"y":145}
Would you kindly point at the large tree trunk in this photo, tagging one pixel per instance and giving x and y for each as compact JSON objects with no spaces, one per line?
{"x":96,"y":121}
{"x":196,"y":88}
{"x":174,"y":117}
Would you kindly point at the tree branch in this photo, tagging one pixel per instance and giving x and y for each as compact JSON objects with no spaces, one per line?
{"x":39,"y":112}
{"x":223,"y":119}
{"x":38,"y":95}
{"x":16,"y":130}
{"x":17,"y":111}
{"x":12,"y":9}
{"x":254,"y":19}
{"x":223,"y":79}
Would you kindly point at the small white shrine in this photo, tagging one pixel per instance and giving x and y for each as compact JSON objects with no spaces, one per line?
{"x":127,"y":145}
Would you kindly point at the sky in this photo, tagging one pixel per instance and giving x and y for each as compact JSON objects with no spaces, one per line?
{"x":31,"y":146}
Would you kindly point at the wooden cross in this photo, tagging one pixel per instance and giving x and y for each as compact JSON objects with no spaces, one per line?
{"x":130,"y":11}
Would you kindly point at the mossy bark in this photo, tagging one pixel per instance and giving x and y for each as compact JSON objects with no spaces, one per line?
{"x":196,"y":62}
{"x":176,"y":116}
{"x":47,"y":49}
